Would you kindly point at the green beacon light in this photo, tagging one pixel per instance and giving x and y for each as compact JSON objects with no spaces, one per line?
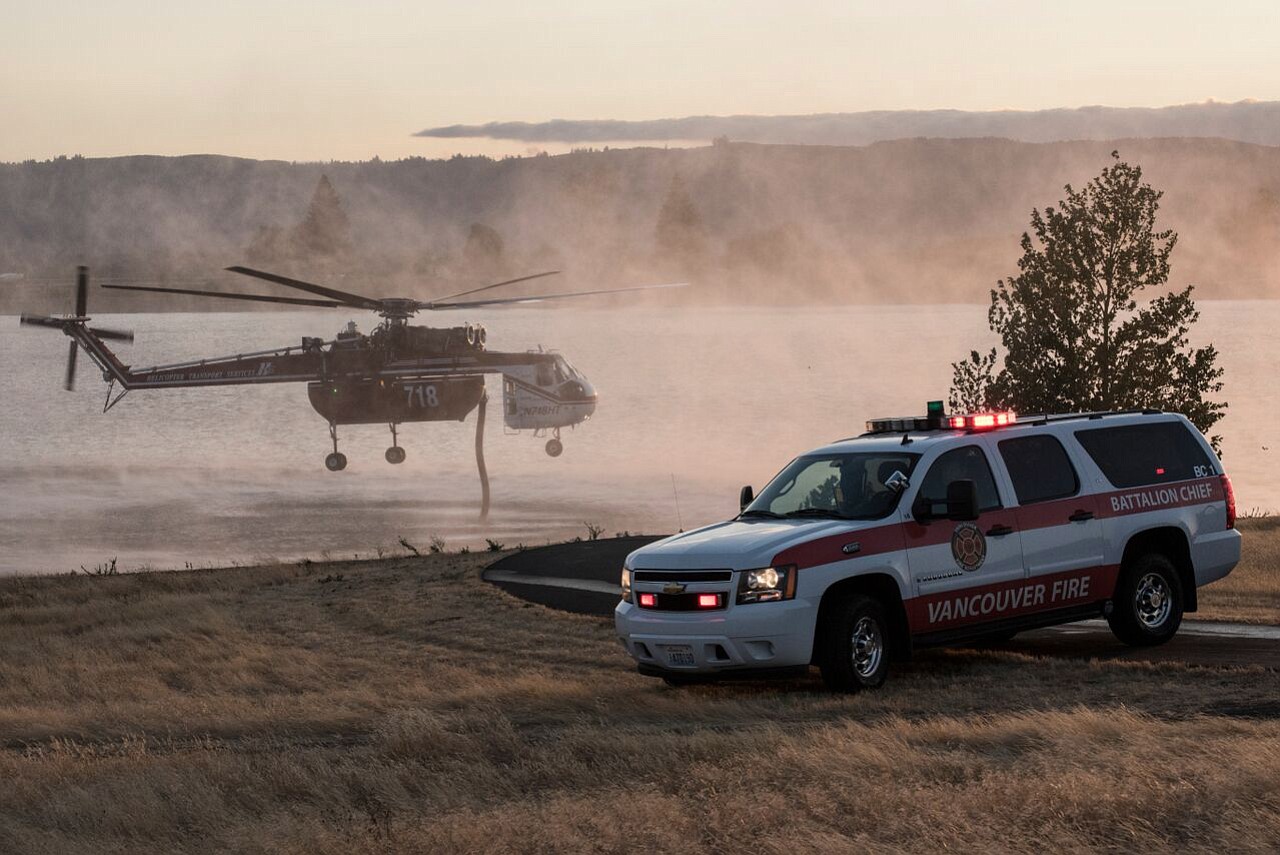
{"x":936,"y":414}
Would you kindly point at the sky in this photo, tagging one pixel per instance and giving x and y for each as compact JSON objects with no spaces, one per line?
{"x":329,"y":80}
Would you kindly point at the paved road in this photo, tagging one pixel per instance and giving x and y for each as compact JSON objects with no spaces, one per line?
{"x":583,"y":578}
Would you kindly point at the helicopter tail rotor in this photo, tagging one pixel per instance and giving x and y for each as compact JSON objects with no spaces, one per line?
{"x":69,"y":324}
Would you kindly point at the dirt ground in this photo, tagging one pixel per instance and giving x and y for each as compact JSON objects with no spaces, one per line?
{"x":404,"y":705}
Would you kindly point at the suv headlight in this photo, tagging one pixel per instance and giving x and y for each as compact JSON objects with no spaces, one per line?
{"x":767,"y":585}
{"x":626,"y":585}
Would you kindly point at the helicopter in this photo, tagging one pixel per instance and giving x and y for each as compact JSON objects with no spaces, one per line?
{"x":398,"y":373}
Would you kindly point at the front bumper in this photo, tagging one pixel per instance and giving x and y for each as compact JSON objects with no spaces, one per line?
{"x":745,"y":638}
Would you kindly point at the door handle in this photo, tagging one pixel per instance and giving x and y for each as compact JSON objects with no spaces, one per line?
{"x":999,"y":530}
{"x":1081,"y":516}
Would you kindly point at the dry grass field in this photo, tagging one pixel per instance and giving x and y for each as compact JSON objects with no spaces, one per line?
{"x":404,"y":705}
{"x":1252,"y":592}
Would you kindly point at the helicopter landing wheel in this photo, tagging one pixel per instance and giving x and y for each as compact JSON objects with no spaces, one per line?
{"x":336,"y":462}
{"x":555,"y":447}
{"x":395,"y":454}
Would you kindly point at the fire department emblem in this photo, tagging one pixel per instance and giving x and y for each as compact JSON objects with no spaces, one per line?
{"x":968,"y":546}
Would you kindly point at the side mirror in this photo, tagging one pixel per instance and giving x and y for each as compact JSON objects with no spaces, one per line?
{"x":897,"y":482}
{"x":746,"y":497}
{"x":962,"y":500}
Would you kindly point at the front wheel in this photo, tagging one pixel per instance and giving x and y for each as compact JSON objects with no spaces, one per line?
{"x":1147,"y":607}
{"x":854,"y":653}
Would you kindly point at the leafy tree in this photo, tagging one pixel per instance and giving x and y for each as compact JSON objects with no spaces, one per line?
{"x":484,"y":248}
{"x":325,"y":230}
{"x":1074,"y":336}
{"x":681,"y":235}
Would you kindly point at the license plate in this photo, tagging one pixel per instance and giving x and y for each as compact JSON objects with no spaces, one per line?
{"x":680,"y":654}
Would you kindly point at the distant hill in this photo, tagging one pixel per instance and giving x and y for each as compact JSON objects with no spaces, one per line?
{"x":903,"y":221}
{"x":1243,"y":121}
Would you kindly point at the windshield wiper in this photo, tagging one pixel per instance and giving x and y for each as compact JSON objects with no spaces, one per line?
{"x":819,"y":512}
{"x":759,"y":513}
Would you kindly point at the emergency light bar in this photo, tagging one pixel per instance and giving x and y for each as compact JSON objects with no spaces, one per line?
{"x":938,"y":420}
{"x":982,"y":421}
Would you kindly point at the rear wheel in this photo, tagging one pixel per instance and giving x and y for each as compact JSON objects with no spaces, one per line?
{"x":336,"y":462}
{"x":1147,"y":607}
{"x":854,"y":644}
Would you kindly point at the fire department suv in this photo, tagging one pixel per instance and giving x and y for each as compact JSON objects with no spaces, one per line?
{"x":934,"y":530}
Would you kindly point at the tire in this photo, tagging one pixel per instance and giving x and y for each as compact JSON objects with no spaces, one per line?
{"x":848,"y":666}
{"x":336,"y":462}
{"x":555,"y":447}
{"x":1147,"y":606}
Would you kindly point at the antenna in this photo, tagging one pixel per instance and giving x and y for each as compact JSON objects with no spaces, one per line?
{"x":676,"y":493}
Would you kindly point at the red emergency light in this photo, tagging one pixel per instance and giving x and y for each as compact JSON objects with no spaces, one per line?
{"x":982,"y":421}
{"x":708,"y":601}
{"x":939,"y":420}
{"x":648,"y":601}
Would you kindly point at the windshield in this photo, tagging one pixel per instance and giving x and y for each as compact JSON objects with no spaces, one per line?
{"x":565,"y":371}
{"x":848,"y":486}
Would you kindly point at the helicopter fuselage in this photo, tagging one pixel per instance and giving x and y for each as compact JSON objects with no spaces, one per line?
{"x":399,"y":373}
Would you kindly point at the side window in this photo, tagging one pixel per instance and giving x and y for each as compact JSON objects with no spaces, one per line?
{"x":1039,"y":468}
{"x":1152,"y":453}
{"x":960,"y":464}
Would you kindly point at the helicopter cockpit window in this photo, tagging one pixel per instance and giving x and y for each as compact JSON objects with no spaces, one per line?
{"x":565,"y":370}
{"x":545,"y":374}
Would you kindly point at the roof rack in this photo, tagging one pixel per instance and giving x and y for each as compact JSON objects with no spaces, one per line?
{"x":1048,"y":418}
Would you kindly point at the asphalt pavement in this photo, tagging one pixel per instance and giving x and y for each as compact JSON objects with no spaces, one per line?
{"x":583,"y":578}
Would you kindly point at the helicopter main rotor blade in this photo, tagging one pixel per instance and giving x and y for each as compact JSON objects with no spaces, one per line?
{"x":344,"y":297}
{"x":226,"y":295}
{"x":494,"y":285}
{"x":469,"y":304}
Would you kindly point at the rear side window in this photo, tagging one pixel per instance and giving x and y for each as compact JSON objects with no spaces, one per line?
{"x":1155,"y":453}
{"x":966,"y":463}
{"x":1039,"y":468}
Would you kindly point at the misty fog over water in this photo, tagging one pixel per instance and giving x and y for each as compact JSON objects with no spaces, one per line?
{"x":716,"y":398}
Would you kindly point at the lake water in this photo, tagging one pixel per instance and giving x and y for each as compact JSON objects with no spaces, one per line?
{"x":694,"y":403}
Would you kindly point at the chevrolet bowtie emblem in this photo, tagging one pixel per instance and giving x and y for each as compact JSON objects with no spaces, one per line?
{"x":673,"y":588}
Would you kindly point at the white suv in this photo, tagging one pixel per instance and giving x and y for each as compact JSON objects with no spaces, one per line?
{"x":933,"y":530}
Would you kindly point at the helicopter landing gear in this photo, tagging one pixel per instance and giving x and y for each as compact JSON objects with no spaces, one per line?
{"x":395,"y":454}
{"x":554,"y":446}
{"x":337,"y":461}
